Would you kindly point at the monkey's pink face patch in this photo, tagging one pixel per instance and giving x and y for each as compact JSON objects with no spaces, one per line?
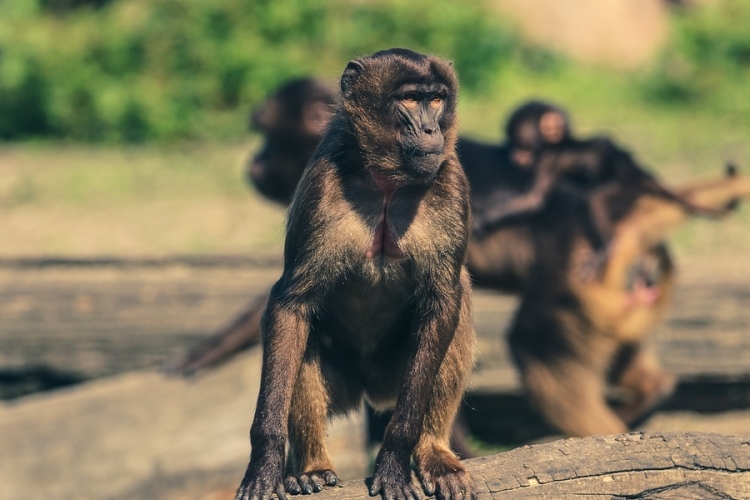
{"x":643,"y":294}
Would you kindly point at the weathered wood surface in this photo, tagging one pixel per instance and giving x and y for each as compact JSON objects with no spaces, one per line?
{"x":654,"y":466}
{"x":141,"y":435}
{"x":100,"y":321}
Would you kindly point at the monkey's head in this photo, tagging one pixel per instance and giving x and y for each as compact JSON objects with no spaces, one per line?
{"x":534,"y":126}
{"x":292,"y":122}
{"x":401,"y":107}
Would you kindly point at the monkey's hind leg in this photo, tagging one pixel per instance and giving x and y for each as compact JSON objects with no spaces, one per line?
{"x":438,"y":468}
{"x":639,"y":372}
{"x":309,"y":467}
{"x":571,"y":397}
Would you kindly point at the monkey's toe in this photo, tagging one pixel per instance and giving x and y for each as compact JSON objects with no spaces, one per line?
{"x":392,"y":478}
{"x":260,"y":490}
{"x":310,"y":482}
{"x":443,"y":475}
{"x":392,"y":488}
{"x":455,"y":486}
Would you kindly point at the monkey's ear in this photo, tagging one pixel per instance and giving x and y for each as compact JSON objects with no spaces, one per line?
{"x":351,"y":73}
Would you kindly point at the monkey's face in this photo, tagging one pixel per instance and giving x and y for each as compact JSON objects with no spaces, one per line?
{"x":416,"y":111}
{"x":401,"y":106}
{"x":534,"y":126}
{"x":291,"y":123}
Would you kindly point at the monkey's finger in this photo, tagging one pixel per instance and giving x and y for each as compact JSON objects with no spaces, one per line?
{"x":331,"y":478}
{"x":306,"y":483}
{"x":376,"y":486}
{"x":318,"y":482}
{"x":428,"y":484}
{"x":458,"y":492}
{"x":292,"y":486}
{"x":415,"y":494}
{"x":281,"y":492}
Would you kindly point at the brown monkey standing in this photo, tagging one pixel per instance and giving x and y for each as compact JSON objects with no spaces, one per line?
{"x":374,"y":299}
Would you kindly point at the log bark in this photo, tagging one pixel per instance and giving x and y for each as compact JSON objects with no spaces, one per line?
{"x":638,"y":465}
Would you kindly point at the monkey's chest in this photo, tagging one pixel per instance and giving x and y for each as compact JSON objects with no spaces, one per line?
{"x":384,"y":243}
{"x":367,"y":310}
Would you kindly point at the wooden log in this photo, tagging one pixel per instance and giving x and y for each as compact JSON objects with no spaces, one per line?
{"x":141,"y":435}
{"x":655,"y":466}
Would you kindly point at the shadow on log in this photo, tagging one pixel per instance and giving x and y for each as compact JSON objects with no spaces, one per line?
{"x":506,"y":417}
{"x":627,"y":466}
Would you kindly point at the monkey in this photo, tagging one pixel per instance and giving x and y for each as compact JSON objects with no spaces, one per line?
{"x":292,"y":122}
{"x":502,"y":260}
{"x":533,"y":126}
{"x":374,"y":298}
{"x":570,"y":338}
{"x":540,"y":137}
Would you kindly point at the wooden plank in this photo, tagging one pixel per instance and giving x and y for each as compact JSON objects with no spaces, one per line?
{"x":143,"y":435}
{"x":656,"y":466}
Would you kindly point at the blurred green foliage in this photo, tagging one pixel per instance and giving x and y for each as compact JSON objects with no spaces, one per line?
{"x":131,"y":70}
{"x":708,"y":59}
{"x":137,"y":70}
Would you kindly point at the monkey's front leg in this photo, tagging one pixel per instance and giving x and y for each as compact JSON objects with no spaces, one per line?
{"x":433,"y":337}
{"x":309,"y":467}
{"x":286,"y":328}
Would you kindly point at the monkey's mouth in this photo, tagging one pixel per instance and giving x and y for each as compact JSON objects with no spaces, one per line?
{"x":422,"y":153}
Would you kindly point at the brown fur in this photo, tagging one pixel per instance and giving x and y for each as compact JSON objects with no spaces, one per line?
{"x":292,"y":122}
{"x":374,"y":299}
{"x":503,"y":260}
{"x":607,"y":175}
{"x":570,"y":338}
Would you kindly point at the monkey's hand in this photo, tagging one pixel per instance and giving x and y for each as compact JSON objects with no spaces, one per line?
{"x":310,"y":482}
{"x":392,"y":477}
{"x":263,"y":478}
{"x":443,"y":476}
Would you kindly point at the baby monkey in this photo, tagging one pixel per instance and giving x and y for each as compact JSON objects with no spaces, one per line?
{"x":611,"y":181}
{"x":374,"y":299}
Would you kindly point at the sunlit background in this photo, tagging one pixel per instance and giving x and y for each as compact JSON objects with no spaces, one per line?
{"x":125,"y":121}
{"x":124,"y":135}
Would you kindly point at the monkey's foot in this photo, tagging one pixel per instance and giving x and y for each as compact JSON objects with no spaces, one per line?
{"x":392,"y":478}
{"x":442,"y":475}
{"x":636,"y":414}
{"x":310,"y":482}
{"x":261,"y":482}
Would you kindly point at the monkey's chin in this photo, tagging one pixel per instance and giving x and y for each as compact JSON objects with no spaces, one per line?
{"x":424,"y":168}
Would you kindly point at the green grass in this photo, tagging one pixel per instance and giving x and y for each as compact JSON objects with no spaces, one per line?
{"x":192,"y":198}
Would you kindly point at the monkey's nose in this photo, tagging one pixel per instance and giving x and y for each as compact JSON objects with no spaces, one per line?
{"x":429,"y":130}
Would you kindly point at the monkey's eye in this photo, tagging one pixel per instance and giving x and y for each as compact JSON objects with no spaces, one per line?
{"x":409,"y":100}
{"x":436,"y":101}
